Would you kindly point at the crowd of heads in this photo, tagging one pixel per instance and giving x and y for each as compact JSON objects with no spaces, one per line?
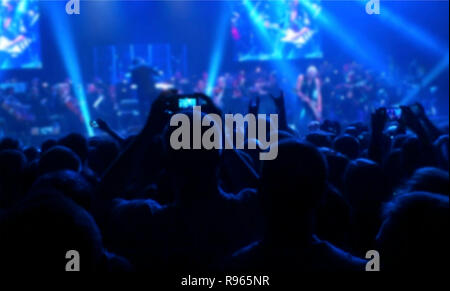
{"x":135,"y":203}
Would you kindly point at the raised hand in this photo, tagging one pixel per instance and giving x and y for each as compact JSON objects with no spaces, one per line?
{"x":420,"y":111}
{"x":377,"y":146}
{"x":102,"y":125}
{"x":410,"y":119}
{"x":281,"y":110}
{"x":423,"y":119}
{"x":378,"y":120}
{"x":278,"y":100}
{"x":159,"y":116}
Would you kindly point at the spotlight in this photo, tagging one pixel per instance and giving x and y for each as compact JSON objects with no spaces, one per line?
{"x":217,"y":55}
{"x":66,"y":46}
{"x":440,"y":67}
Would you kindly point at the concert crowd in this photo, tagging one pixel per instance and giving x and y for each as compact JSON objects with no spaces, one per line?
{"x":37,"y":109}
{"x":354,"y":179}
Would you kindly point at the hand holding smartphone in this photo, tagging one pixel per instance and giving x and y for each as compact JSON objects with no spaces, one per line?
{"x":393,"y":113}
{"x":94,"y":124}
{"x":187,"y":102}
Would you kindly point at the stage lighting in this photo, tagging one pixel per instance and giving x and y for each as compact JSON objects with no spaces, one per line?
{"x":73,"y":7}
{"x":218,"y":48}
{"x":281,"y":64}
{"x":67,"y":49}
{"x":416,"y":34}
{"x":359,"y":47}
{"x":440,"y":67}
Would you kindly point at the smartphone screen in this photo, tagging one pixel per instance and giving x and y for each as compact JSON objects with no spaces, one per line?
{"x":394,"y":113}
{"x":184,"y":103}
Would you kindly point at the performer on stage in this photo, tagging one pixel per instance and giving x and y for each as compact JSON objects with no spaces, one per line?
{"x":143,"y":76}
{"x":309,"y":91}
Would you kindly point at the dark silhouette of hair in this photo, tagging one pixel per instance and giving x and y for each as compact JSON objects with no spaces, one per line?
{"x":319,"y":139}
{"x":351,"y":130}
{"x":337,"y":163}
{"x":332,"y":221}
{"x":9,"y":144}
{"x":393,"y":169}
{"x":366,"y":189}
{"x":12,"y":170}
{"x":137,"y":62}
{"x":365,"y":185}
{"x":347,"y":145}
{"x":442,"y":153}
{"x":46,"y":145}
{"x":31,"y":153}
{"x":193,"y":168}
{"x":59,"y":158}
{"x":72,"y":184}
{"x":331,"y":126}
{"x":414,"y":235}
{"x":77,"y":143}
{"x":291,"y":187}
{"x":428,"y":179}
{"x":40,"y":232}
{"x":292,"y":192}
{"x":415,"y":156}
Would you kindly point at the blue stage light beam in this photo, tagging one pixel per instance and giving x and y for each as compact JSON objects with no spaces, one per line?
{"x":361,"y":48}
{"x":22,"y":7}
{"x":416,"y":34}
{"x":282,"y":65}
{"x":258,"y":23}
{"x":218,"y":50}
{"x":440,"y":67}
{"x":67,"y":49}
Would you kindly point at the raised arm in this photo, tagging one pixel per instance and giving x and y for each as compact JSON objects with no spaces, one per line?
{"x":103,"y":126}
{"x":281,"y":110}
{"x":377,"y":139}
{"x":141,"y":157}
{"x":431,"y":129}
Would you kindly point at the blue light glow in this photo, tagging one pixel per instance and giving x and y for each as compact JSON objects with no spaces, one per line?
{"x":282,"y":65}
{"x":418,"y":36}
{"x":361,"y":48}
{"x":218,"y":49}
{"x":440,"y":67}
{"x":67,"y":48}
